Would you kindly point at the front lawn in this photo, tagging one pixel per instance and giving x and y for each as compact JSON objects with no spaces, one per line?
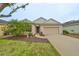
{"x":21,"y":48}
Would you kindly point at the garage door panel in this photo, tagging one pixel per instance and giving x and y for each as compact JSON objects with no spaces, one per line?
{"x":50,"y":30}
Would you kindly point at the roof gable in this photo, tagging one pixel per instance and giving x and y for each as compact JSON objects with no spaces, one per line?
{"x":52,"y":21}
{"x":40,"y":20}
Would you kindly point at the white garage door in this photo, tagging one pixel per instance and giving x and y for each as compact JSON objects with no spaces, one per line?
{"x":50,"y":30}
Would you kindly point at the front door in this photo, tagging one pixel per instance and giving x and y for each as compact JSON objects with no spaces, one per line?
{"x":37,"y":29}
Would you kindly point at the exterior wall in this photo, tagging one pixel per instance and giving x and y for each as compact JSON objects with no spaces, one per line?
{"x":72,"y":28}
{"x":33,"y":29}
{"x":60,"y":29}
{"x":1,"y":33}
{"x":1,"y":29}
{"x":41,"y":29}
{"x":42,"y":26}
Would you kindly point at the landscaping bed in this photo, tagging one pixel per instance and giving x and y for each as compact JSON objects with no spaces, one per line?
{"x":25,"y":38}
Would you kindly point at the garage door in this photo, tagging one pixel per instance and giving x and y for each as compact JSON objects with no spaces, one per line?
{"x":50,"y":30}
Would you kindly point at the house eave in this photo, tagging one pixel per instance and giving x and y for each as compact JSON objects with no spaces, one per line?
{"x":47,"y":24}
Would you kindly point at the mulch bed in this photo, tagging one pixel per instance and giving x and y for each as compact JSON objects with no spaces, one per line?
{"x":25,"y":38}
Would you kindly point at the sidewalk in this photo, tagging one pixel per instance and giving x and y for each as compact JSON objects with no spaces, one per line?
{"x":65,"y":45}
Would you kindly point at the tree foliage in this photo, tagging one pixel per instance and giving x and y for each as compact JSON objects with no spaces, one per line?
{"x":15,"y":27}
{"x":27,"y":23}
{"x":65,"y":32}
{"x":11,"y":5}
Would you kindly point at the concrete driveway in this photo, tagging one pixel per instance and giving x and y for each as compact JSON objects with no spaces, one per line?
{"x":65,"y":45}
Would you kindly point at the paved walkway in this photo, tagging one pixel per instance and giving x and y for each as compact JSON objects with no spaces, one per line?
{"x":65,"y":45}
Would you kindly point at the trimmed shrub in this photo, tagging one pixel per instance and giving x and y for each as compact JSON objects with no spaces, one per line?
{"x":65,"y":32}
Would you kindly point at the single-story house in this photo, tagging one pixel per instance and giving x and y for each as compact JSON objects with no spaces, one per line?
{"x":2,"y":25}
{"x":72,"y":26}
{"x":47,"y":27}
{"x":40,"y":25}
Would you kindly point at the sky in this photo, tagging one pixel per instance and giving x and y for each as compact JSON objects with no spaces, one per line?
{"x":61,"y":12}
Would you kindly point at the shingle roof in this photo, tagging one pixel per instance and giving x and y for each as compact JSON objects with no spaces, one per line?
{"x":52,"y":21}
{"x":42,"y":20}
{"x":72,"y":22}
{"x":3,"y":21}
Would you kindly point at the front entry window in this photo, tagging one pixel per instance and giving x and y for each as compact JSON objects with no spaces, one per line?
{"x":37,"y":29}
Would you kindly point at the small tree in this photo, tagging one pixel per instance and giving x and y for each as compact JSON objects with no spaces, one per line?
{"x":15,"y":27}
{"x":65,"y":32}
{"x":27,"y":25}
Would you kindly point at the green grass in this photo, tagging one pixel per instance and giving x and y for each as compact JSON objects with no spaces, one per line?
{"x":21,"y":48}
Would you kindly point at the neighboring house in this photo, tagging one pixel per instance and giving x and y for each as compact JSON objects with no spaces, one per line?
{"x":2,"y":25}
{"x":47,"y":27}
{"x":72,"y":26}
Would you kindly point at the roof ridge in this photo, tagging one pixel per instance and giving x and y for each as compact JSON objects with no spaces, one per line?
{"x":71,"y":22}
{"x":45,"y":21}
{"x":40,"y":18}
{"x":53,"y":20}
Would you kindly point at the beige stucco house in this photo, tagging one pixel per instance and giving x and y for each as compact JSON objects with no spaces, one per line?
{"x":47,"y":27}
